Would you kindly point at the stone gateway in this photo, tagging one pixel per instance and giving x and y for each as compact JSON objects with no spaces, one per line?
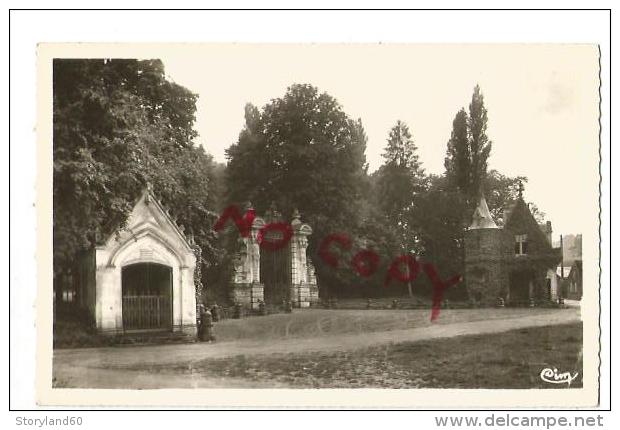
{"x":274,"y":276}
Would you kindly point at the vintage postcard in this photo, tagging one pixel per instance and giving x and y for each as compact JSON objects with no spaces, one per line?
{"x":318,"y":225}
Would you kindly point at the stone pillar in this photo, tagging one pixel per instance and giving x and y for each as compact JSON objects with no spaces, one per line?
{"x":246,"y":287}
{"x":108,"y":301}
{"x":257,"y":289}
{"x":187,"y":301}
{"x":313,"y":289}
{"x":197,"y":275}
{"x":294,"y":256}
{"x":241,"y":277}
{"x":254,"y":250}
{"x":300,"y":288}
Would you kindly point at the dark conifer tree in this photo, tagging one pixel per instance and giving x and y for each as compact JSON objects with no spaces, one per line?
{"x":468,"y":150}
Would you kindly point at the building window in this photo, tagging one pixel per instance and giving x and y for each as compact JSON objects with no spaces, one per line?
{"x":68,"y":296}
{"x":521,"y":244}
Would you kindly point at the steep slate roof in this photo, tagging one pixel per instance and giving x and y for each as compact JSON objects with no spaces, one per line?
{"x":576,"y":268}
{"x":521,"y":220}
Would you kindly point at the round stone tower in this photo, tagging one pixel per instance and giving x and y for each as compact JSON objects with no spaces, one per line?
{"x":484,"y":250}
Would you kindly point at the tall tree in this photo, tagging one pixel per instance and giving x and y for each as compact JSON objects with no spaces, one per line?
{"x":400,"y":180}
{"x":244,"y":161}
{"x":480,"y":145}
{"x":302,"y":151}
{"x":466,"y":173}
{"x":468,"y":150}
{"x":458,"y":156}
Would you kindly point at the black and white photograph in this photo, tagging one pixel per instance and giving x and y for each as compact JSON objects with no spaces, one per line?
{"x":223,"y":217}
{"x":326,"y":216}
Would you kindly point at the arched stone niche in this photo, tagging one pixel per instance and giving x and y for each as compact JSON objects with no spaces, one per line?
{"x":150,"y":236}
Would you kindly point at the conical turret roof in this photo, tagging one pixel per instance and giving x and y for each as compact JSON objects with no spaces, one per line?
{"x":482,"y":217}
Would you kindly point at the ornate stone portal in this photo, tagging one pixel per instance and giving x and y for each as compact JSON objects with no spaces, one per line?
{"x":141,"y":278}
{"x":274,"y":276}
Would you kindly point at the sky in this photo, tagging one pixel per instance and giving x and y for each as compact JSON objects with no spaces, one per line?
{"x":542,"y":103}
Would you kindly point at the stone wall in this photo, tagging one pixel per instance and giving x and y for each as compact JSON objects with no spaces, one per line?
{"x":241,"y":293}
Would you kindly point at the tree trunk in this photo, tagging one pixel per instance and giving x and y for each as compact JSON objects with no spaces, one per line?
{"x":409,"y":286}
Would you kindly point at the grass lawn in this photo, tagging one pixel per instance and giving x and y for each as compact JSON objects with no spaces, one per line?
{"x":71,"y":331}
{"x":511,"y":359}
{"x":331,"y":322}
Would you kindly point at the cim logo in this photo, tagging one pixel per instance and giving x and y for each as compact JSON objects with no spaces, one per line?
{"x":552,"y":376}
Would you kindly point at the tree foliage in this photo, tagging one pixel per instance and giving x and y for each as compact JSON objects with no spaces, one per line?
{"x":440,"y":225}
{"x":399,"y":180}
{"x":119,"y":124}
{"x":479,"y":143}
{"x":301,"y":151}
{"x":502,"y":192}
{"x":458,"y":157}
{"x":468,"y":150}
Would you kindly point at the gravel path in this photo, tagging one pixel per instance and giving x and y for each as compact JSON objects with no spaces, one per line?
{"x":107,"y":367}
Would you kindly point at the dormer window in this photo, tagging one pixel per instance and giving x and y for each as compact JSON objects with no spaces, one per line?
{"x":521,"y":244}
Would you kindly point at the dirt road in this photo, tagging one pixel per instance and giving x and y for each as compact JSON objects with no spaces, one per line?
{"x":109,"y":367}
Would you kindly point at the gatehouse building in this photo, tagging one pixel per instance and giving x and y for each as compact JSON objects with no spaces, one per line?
{"x":515,"y":263}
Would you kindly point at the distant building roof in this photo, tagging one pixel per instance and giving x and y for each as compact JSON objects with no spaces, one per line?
{"x":482,"y":217}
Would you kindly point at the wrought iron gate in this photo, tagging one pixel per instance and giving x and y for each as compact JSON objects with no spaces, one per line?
{"x":147,"y":292}
{"x":275,"y":274}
